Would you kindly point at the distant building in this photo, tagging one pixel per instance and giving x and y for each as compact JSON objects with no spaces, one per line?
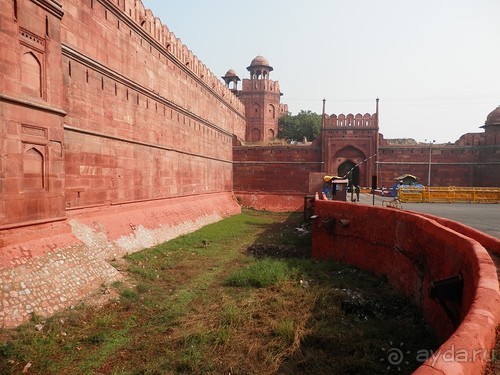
{"x":351,"y":145}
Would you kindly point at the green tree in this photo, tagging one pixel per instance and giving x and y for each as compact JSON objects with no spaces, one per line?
{"x":305,"y":124}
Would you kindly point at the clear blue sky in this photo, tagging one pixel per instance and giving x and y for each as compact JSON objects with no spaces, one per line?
{"x":434,"y":64}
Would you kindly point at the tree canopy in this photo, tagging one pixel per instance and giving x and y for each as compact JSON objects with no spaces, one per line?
{"x":295,"y":128}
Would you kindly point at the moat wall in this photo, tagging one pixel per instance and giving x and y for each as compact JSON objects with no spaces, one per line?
{"x":48,"y":267}
{"x":113,"y":137}
{"x":415,"y":253}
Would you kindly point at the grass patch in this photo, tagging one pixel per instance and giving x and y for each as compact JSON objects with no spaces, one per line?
{"x":231,"y":315}
{"x":227,"y":299}
{"x":285,"y":329}
{"x":261,"y":274}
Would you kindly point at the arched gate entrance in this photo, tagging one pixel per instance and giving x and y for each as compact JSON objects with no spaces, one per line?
{"x":349,"y":170}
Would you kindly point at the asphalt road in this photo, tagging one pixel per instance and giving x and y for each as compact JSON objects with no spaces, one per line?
{"x":482,"y":216}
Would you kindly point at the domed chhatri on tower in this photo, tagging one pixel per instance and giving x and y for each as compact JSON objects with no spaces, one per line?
{"x":259,"y":68}
{"x":492,"y":127}
{"x":259,"y":61}
{"x":231,"y":79}
{"x":494,"y":117}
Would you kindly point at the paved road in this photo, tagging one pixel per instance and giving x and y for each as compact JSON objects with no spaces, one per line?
{"x":484,"y":217}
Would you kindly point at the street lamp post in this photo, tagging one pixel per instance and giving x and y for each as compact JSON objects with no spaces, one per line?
{"x":430,"y":162}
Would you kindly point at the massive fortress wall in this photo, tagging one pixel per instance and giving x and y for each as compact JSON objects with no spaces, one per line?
{"x":114,"y":137}
{"x":104,"y":106}
{"x":152,"y":123}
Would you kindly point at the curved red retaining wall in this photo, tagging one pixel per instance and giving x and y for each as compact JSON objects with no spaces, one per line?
{"x":413,"y":251}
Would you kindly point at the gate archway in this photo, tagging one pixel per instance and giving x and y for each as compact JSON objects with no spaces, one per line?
{"x":350,"y":170}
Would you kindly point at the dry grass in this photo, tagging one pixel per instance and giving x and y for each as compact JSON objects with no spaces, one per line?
{"x":185,"y":310}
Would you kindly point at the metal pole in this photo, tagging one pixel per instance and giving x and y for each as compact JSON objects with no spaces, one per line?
{"x":323,"y":136}
{"x":430,"y":162}
{"x":377,"y":144}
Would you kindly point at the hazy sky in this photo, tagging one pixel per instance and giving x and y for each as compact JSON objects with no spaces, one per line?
{"x":434,"y":64}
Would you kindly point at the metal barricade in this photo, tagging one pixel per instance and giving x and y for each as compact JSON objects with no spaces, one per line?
{"x":449,"y":194}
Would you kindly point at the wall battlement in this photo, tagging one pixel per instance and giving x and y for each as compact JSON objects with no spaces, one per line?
{"x":261,"y":85}
{"x":151,"y":34}
{"x":350,"y":120}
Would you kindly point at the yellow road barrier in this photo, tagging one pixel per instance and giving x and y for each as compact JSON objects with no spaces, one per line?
{"x":449,"y":194}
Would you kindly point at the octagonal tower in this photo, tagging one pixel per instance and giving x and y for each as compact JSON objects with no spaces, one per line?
{"x":261,"y":97}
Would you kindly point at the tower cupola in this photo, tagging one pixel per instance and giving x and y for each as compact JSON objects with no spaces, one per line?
{"x":259,"y":68}
{"x":231,"y":79}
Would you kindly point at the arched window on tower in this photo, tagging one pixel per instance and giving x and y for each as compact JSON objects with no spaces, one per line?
{"x":255,"y":136}
{"x":270,"y":134}
{"x":271,"y":111}
{"x":255,"y":110}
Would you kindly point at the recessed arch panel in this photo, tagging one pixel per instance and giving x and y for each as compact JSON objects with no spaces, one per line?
{"x":33,"y":169}
{"x":31,"y":75}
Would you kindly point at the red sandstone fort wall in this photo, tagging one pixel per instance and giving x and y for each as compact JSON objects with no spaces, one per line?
{"x":113,"y":137}
{"x":451,"y":165}
{"x":275,"y":169}
{"x":106,"y":115}
{"x":31,"y":114}
{"x":102,"y":104}
{"x":261,"y":170}
{"x":140,"y":122}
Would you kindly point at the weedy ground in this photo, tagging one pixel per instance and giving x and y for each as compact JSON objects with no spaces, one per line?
{"x":240,"y":296}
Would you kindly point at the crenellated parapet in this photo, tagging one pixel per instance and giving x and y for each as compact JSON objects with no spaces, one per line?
{"x":261,"y":85}
{"x":283,"y":109}
{"x":162,"y":39}
{"x":350,"y":120}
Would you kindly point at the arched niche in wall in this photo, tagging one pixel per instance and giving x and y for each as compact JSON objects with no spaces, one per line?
{"x":255,"y":135}
{"x":31,"y":75}
{"x":271,"y":111}
{"x":358,"y":119}
{"x":341,"y":120}
{"x":255,"y":112}
{"x":350,"y":120}
{"x":367,"y":119}
{"x":270,"y":134}
{"x":33,"y":168}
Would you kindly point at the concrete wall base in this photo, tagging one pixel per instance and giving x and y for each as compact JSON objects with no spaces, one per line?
{"x":49,"y":267}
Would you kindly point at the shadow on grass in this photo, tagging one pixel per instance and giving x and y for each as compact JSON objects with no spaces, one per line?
{"x":182,"y":310}
{"x":358,"y":324}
